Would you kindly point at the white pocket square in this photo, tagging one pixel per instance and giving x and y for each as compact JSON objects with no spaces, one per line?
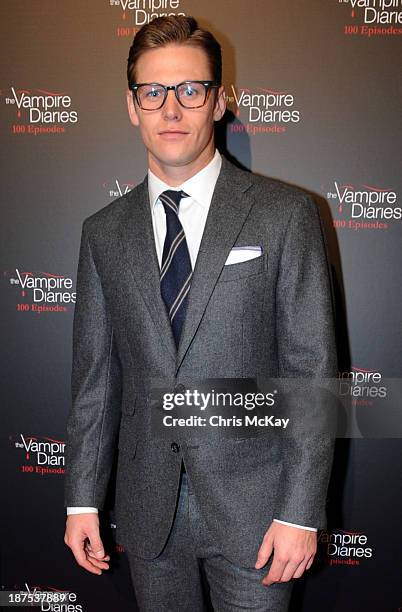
{"x":243,"y":253}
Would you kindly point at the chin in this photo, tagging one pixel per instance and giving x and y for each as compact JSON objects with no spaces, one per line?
{"x":178,"y":159}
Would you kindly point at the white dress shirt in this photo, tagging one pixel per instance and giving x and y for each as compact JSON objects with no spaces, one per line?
{"x":193,"y":212}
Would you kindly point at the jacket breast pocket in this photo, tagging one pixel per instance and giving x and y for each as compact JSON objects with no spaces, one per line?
{"x":244,"y":269}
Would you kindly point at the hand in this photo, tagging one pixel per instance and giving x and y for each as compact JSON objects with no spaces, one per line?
{"x":294,"y":550}
{"x":83,"y":537}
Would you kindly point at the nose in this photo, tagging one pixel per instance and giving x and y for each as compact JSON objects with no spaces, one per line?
{"x":171,"y":109}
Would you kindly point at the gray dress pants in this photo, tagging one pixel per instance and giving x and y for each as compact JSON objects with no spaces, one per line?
{"x":190,"y":574}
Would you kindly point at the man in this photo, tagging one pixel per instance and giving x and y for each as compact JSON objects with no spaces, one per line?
{"x":201,"y":271}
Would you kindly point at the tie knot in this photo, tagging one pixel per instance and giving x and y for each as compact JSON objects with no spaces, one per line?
{"x":171,"y":199}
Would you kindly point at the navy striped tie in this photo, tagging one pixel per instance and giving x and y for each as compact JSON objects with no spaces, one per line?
{"x":176,"y":270}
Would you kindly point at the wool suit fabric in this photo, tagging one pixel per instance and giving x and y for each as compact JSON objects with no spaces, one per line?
{"x":271,"y":316}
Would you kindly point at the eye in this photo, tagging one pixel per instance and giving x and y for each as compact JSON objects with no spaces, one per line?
{"x":153,"y":93}
{"x":191,"y":91}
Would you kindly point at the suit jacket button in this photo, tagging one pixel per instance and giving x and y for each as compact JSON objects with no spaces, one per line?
{"x":179,"y":388}
{"x":175,"y":447}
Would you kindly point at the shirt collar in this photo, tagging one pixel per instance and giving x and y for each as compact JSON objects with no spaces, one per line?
{"x":199,"y":187}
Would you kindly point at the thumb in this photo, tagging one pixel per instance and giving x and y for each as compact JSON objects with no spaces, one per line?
{"x":264,"y":552}
{"x":96,"y":544}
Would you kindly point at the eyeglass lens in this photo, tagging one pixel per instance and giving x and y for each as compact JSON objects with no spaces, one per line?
{"x":190,"y":95}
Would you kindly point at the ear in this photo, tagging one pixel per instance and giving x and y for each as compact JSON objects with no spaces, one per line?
{"x":220,"y":104}
{"x":131,"y":106}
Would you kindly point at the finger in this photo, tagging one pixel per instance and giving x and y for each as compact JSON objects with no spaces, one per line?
{"x":264,"y":552}
{"x":93,"y":558}
{"x":104,"y":565}
{"x":96,"y":544}
{"x":81,"y":558}
{"x":98,"y":562}
{"x":94,"y":563}
{"x":293,"y":569}
{"x":275,"y":572}
{"x":101,"y":563}
{"x":310,"y":562}
{"x":300,"y":570}
{"x":91,"y":554}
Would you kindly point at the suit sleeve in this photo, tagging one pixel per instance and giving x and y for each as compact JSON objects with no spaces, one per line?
{"x":306,"y":350}
{"x":96,"y":390}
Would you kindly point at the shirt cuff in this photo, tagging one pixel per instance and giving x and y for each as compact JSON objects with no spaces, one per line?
{"x":79,"y":509}
{"x":294,"y":525}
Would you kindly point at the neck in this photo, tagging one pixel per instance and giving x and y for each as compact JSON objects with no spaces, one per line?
{"x":176,"y":175}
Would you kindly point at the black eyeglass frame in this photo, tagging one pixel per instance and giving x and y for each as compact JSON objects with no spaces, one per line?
{"x":207,"y":84}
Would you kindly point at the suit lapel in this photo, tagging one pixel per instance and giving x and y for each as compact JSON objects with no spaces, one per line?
{"x":138,"y":244}
{"x":229,"y":208}
{"x":228,"y":211}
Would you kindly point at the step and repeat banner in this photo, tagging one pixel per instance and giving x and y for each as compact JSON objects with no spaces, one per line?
{"x":314,"y":99}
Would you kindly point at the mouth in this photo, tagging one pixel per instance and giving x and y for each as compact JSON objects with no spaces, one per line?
{"x":172,"y":134}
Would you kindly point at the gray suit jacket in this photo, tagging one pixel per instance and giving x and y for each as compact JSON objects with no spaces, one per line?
{"x":269,"y":316}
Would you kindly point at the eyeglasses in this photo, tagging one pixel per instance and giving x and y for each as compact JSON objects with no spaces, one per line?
{"x":190,"y":94}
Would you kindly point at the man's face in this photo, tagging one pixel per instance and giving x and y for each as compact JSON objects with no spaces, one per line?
{"x":175,"y":136}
